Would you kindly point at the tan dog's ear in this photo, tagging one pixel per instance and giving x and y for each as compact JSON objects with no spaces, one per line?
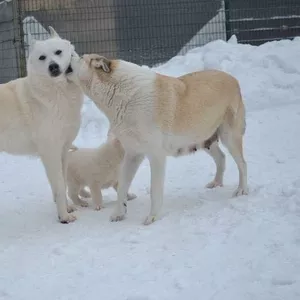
{"x":101,"y":62}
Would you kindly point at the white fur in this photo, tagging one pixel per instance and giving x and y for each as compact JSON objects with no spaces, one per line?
{"x":40,"y":114}
{"x":96,"y":168}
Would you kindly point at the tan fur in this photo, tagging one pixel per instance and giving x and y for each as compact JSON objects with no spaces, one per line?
{"x":198,"y":103}
{"x":95,"y":168}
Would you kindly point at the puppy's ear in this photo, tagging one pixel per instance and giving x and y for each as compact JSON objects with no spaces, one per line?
{"x":53,"y":33}
{"x":101,"y":62}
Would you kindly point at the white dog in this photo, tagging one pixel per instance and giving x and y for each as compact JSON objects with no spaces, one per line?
{"x":96,"y":168}
{"x":157,"y":116}
{"x":40,"y":114}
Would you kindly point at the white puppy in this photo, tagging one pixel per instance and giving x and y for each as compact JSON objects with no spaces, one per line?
{"x":40,"y":113}
{"x":96,"y":168}
{"x":157,"y":116}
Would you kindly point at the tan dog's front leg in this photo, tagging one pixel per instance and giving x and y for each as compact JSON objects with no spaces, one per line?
{"x":130,"y":196}
{"x":157,"y":165}
{"x":52,"y":160}
{"x":128,"y":169}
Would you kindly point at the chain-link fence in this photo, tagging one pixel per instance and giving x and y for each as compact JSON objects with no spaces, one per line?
{"x":143,"y":31}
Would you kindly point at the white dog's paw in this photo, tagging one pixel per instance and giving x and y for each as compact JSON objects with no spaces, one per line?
{"x":240,"y":191}
{"x":119,"y":213}
{"x":149,"y":220}
{"x":131,"y":196}
{"x":71,"y":208}
{"x":66,"y":219}
{"x":213,"y":184}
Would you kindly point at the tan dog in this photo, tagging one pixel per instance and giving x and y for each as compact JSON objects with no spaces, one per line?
{"x":156,"y":116}
{"x":96,"y":168}
{"x":40,"y":113}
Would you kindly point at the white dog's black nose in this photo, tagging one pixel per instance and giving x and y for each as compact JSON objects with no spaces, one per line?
{"x":54,"y":69}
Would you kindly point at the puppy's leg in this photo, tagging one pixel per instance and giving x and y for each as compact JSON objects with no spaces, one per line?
{"x":128,"y":169}
{"x":234,"y":144}
{"x":157,"y":165}
{"x":73,"y":191}
{"x":52,"y":160}
{"x":219,"y":158}
{"x":96,"y":196}
{"x":130,"y":196}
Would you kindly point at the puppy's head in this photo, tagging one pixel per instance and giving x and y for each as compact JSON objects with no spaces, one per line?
{"x":50,"y":58}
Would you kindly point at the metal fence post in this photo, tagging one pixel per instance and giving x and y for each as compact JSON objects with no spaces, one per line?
{"x":227,"y":19}
{"x":19,"y":38}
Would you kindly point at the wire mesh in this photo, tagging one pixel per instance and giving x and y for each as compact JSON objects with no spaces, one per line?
{"x":146,"y":32}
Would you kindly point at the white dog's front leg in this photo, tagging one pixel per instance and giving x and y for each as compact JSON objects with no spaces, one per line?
{"x":64,"y":161}
{"x":128,"y":169}
{"x":157,"y":165}
{"x":52,"y":161}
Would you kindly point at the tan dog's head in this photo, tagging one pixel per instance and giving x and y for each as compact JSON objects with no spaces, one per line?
{"x":90,"y":67}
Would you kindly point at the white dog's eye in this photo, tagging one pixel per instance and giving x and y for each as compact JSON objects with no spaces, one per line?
{"x":58,"y":52}
{"x":42,"y":57}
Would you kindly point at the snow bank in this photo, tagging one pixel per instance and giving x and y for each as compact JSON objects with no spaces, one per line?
{"x":269,"y":75}
{"x":207,"y":245}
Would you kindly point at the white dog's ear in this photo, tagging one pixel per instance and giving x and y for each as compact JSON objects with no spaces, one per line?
{"x":53,"y":33}
{"x":100,"y":62}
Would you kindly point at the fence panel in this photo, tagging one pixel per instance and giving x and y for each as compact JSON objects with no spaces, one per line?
{"x":142,"y":31}
{"x":8,"y":54}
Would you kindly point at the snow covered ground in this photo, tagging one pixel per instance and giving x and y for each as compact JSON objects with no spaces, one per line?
{"x":207,"y":245}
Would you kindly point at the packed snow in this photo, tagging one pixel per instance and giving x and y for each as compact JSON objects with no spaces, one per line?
{"x":206,"y":245}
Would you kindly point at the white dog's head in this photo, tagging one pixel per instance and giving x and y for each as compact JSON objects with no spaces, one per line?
{"x":51,"y":57}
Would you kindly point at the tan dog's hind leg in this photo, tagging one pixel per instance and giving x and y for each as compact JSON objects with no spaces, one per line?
{"x":231,"y":134}
{"x":219,"y":158}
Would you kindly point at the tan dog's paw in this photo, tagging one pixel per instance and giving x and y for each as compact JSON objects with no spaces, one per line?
{"x":119,"y":213}
{"x":214,"y":184}
{"x":66,"y":219}
{"x":131,"y":196}
{"x":240,"y":191}
{"x":149,"y":220}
